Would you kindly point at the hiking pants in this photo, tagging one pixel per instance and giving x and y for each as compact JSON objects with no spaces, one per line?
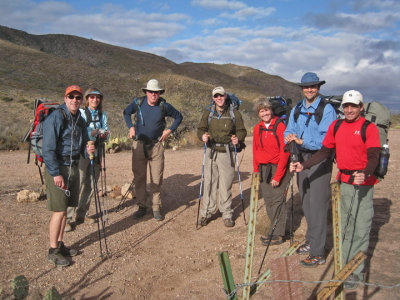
{"x":315,"y":192}
{"x":86,"y":189}
{"x":360,"y":221}
{"x":274,"y":200}
{"x":155,"y":161}
{"x":219,"y":172}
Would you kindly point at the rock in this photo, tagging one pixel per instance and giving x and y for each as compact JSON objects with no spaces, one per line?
{"x":23,"y":196}
{"x":34,"y":197}
{"x":174,"y":148}
{"x":129,"y":191}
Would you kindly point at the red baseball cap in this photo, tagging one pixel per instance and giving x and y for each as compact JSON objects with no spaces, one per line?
{"x":73,"y":88}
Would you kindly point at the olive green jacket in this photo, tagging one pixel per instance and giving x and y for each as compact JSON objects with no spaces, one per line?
{"x":221,"y":129}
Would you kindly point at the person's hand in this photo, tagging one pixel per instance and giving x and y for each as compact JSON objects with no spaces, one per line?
{"x":296,"y":167}
{"x":132,"y":132}
{"x":234,"y":140}
{"x":104,"y":135}
{"x":274,"y":183}
{"x":165,"y":135}
{"x":59,"y":181}
{"x":293,"y":137}
{"x":205,"y":137}
{"x":94,"y":132}
{"x":359,"y":177}
{"x":90,"y":148}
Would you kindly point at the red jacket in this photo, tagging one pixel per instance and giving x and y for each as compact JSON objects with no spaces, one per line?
{"x":266,"y":149}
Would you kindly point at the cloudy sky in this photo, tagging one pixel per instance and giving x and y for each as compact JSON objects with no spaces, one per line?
{"x":352,"y":44}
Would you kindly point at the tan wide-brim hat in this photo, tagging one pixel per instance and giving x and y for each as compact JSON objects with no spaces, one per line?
{"x":154,"y":86}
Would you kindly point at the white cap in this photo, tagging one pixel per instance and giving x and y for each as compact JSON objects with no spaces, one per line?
{"x":218,"y":90}
{"x":352,"y":96}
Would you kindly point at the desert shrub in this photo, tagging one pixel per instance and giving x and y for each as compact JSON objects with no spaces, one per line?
{"x":7,"y":99}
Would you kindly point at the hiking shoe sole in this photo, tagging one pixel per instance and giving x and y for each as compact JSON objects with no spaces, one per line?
{"x":313,"y":261}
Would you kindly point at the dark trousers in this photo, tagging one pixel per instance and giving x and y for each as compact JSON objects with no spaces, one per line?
{"x":315,"y":192}
{"x":275,"y":203}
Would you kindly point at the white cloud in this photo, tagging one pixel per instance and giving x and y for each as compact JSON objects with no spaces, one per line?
{"x":254,"y":12}
{"x":219,"y":4}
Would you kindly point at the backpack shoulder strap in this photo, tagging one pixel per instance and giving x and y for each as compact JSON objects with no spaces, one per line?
{"x":277,"y":122}
{"x":232,"y":113}
{"x":162,"y":106}
{"x":139,"y":102}
{"x":211,"y":114}
{"x":319,"y":112}
{"x":337,"y":125}
{"x":297,"y":109}
{"x":364,"y":130}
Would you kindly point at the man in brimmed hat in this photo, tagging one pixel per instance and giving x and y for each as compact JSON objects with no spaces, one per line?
{"x":221,"y":133}
{"x":64,"y":140}
{"x":149,"y":133}
{"x":356,"y":160}
{"x":308,"y":123}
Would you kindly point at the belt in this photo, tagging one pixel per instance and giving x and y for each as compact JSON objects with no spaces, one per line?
{"x":67,"y":159}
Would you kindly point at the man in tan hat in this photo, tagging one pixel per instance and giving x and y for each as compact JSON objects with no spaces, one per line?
{"x":64,"y":140}
{"x":357,"y":145}
{"x":222,"y":129}
{"x":149,"y":133}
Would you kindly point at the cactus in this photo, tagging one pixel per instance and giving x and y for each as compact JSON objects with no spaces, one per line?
{"x":20,"y":286}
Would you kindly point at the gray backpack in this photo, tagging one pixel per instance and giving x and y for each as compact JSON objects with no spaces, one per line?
{"x":379,"y":114}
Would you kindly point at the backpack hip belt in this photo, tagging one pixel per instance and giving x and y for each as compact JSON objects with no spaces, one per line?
{"x":67,"y":159}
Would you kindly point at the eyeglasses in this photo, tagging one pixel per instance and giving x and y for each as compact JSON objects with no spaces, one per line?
{"x":218,"y":95}
{"x":153,"y":92}
{"x":74,"y":97}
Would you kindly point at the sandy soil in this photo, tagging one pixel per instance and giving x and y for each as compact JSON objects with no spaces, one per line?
{"x":171,"y":259}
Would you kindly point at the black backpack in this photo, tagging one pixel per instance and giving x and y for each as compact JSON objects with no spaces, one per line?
{"x":335,"y":101}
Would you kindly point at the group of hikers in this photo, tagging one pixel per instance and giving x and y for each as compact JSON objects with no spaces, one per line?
{"x":312,"y":129}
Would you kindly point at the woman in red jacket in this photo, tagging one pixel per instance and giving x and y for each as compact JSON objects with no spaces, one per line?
{"x":271,"y":161}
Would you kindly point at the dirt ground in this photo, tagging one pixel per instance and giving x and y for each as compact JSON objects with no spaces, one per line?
{"x":171,"y":259}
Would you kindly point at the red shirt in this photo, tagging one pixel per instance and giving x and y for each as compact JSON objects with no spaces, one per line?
{"x":269,"y":152}
{"x":351,"y":151}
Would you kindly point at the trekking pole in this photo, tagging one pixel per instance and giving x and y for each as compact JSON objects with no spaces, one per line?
{"x":294,"y":157}
{"x":276,"y":217}
{"x":201,"y":184}
{"x":119,"y":206}
{"x":104,"y":179}
{"x":99,"y":213}
{"x":240,"y":185}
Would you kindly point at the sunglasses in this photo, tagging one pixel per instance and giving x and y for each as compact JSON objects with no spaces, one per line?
{"x":76,"y":97}
{"x":153,"y":92}
{"x":218,"y":95}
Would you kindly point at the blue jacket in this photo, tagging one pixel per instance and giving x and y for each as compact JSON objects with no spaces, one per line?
{"x":63,"y":137}
{"x":151,"y":123}
{"x":314,"y":133}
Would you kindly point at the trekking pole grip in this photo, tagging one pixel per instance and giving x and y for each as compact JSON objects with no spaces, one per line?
{"x":91,"y":154}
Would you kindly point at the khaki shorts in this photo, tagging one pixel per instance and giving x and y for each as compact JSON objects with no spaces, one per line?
{"x":57,"y":200}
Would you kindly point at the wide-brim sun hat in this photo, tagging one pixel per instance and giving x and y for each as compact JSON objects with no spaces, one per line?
{"x":352,"y":96}
{"x":310,"y":79}
{"x":73,"y":88}
{"x":154,"y":86}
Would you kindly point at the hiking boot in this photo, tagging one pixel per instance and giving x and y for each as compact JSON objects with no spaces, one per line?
{"x":229,"y":222}
{"x":305,"y":248}
{"x":56,"y":258}
{"x":203,"y":221}
{"x":65,"y":251}
{"x":86,"y":220}
{"x":313,"y":261}
{"x":276,"y":240}
{"x":157,"y":215}
{"x":68,"y":227}
{"x":140,"y":213}
{"x":355,"y":281}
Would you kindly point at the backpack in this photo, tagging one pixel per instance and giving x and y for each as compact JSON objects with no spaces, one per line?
{"x":89,"y":119}
{"x":234,"y":103}
{"x":281,"y":107}
{"x":34,"y":135}
{"x":262,"y":128}
{"x":376,"y":113}
{"x":139,"y":102}
{"x":335,"y":101}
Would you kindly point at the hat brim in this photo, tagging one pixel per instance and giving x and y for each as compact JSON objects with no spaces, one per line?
{"x":311,"y":83}
{"x":161,"y":91}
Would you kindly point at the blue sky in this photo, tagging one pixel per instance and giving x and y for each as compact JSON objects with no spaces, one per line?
{"x":352,"y":44}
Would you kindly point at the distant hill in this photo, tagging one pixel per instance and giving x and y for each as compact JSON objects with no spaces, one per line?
{"x":34,"y":66}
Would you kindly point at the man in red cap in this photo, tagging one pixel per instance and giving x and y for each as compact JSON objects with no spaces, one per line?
{"x":64,"y":140}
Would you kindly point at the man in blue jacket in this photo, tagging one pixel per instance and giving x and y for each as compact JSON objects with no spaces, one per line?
{"x":149,"y":133}
{"x":308,"y":123}
{"x":64,"y":140}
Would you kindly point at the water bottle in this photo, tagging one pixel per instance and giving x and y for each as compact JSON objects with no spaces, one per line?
{"x":382,"y":168}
